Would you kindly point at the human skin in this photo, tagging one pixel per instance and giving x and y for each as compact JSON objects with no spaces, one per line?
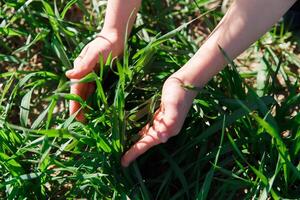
{"x":109,"y":40}
{"x":244,"y":23}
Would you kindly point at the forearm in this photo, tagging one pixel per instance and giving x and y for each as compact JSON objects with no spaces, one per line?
{"x":118,"y":14}
{"x":244,"y":23}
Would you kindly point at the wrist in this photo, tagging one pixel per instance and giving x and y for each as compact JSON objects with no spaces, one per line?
{"x":206,"y":63}
{"x":187,"y":80}
{"x":190,"y":90}
{"x":114,"y":39}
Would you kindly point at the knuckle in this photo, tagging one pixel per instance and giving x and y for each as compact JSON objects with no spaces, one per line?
{"x":76,"y":62}
{"x":163,"y":137}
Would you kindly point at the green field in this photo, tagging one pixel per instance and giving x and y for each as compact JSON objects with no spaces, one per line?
{"x":241,"y":139}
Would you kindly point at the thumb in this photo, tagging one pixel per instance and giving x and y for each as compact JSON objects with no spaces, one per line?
{"x":83,"y":65}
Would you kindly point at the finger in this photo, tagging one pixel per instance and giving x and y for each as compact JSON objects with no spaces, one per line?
{"x":90,"y":89}
{"x":149,"y":140}
{"x":74,"y":107}
{"x":80,"y":116}
{"x":156,"y":115}
{"x":147,"y":126}
{"x":144,"y":130}
{"x":83,"y":66}
{"x":77,"y":61}
{"x":84,"y":91}
{"x":80,"y":90}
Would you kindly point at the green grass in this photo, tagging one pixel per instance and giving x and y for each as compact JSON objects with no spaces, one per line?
{"x":240,"y":139}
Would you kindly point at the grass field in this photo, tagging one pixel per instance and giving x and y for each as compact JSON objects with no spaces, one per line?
{"x":241,"y":139}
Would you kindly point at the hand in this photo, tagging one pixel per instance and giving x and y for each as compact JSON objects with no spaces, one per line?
{"x":85,"y":63}
{"x":167,"y":120}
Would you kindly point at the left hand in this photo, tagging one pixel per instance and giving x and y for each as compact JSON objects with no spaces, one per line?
{"x":167,"y":120}
{"x":106,"y":43}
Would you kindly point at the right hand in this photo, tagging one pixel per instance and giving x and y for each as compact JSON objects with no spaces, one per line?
{"x":85,"y":63}
{"x":167,"y":120}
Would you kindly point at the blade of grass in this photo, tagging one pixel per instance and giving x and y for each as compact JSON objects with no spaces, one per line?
{"x":25,"y":107}
{"x":202,"y":195}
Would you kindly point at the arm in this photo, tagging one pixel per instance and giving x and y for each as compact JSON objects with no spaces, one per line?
{"x":244,"y":23}
{"x":112,"y":36}
{"x":110,"y":40}
{"x":117,"y":15}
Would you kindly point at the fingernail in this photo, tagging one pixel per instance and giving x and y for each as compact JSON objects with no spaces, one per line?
{"x":70,"y":72}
